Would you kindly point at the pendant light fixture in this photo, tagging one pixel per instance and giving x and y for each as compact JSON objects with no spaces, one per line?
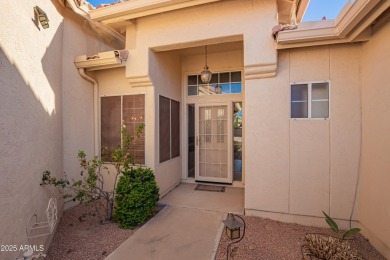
{"x":205,"y":75}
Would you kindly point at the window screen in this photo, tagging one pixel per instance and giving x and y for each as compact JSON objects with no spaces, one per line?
{"x":110,"y":124}
{"x":169,"y":128}
{"x":128,"y":110}
{"x":310,"y":100}
{"x":175,"y":128}
{"x":134,"y":115}
{"x":320,"y":100}
{"x":299,"y":96}
{"x":164,"y":124}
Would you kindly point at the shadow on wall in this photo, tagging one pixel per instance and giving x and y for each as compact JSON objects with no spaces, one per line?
{"x":31,"y":138}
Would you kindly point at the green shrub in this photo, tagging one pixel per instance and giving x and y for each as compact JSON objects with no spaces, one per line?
{"x":136,"y":197}
{"x":89,"y":188}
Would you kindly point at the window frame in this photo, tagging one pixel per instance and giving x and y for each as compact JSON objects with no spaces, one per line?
{"x":170,"y":129}
{"x":230,"y":82}
{"x":309,"y":99}
{"x":121,"y":122}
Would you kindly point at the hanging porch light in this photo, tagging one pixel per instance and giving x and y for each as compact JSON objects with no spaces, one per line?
{"x":205,"y":75}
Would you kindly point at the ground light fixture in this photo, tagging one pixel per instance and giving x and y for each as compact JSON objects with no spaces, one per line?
{"x":205,"y":75}
{"x":233,"y":230}
{"x":42,"y":17}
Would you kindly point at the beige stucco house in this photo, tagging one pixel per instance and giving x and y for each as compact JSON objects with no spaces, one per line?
{"x":299,"y":121}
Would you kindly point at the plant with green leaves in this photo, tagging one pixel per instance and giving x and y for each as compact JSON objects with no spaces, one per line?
{"x":136,"y":197}
{"x":89,"y":188}
{"x":333,"y":226}
{"x":121,"y":157}
{"x":327,"y":247}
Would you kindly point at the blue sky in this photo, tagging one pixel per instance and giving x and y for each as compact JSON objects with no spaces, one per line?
{"x":320,"y":8}
{"x":97,"y":2}
{"x":316,"y":10}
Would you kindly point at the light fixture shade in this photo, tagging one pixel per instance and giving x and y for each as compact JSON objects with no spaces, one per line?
{"x":44,"y":22}
{"x":233,"y":233}
{"x":42,"y":17}
{"x":206,"y":75}
{"x":233,"y":228}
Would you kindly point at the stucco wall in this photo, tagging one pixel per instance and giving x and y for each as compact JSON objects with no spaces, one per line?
{"x":165,"y":74}
{"x":30,"y":117}
{"x":222,"y":60}
{"x":213,"y":23}
{"x":77,"y":93}
{"x":374,"y":213}
{"x":45,"y":111}
{"x":295,"y":166}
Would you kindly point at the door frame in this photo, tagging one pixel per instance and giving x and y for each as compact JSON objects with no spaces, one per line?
{"x":193,"y":100}
{"x":229,"y":107}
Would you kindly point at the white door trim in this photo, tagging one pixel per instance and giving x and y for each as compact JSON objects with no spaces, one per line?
{"x":229,"y":178}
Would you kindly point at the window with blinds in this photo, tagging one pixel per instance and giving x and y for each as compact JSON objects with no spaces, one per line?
{"x":128,"y":110}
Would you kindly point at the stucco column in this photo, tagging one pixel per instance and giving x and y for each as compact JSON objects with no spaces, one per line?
{"x":137,"y":68}
{"x":266,"y":132}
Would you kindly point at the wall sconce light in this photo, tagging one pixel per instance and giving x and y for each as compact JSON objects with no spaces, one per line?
{"x":41,"y":17}
{"x":233,"y":230}
{"x":205,"y":75}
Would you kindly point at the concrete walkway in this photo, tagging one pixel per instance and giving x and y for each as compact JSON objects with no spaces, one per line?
{"x":187,"y":228}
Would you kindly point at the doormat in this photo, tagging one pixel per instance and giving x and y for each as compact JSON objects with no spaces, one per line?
{"x":212,"y":188}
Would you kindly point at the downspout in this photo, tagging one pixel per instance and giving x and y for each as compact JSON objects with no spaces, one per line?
{"x":95,"y":109}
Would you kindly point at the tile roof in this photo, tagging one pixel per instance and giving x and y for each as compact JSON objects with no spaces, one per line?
{"x":113,"y":3}
{"x":85,"y":5}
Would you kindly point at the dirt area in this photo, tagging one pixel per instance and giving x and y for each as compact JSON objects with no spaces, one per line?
{"x":87,"y":239}
{"x":268,"y":239}
{"x":264,"y":239}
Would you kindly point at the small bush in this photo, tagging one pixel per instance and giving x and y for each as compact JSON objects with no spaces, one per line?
{"x":136,"y":197}
{"x":89,"y":188}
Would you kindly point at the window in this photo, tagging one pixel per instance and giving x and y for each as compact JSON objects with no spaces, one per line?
{"x":310,"y":100}
{"x":169,"y":127}
{"x":220,"y":125}
{"x":220,"y":83}
{"x":128,"y":110}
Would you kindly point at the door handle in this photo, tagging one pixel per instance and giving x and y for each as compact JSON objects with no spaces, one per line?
{"x":197,"y":140}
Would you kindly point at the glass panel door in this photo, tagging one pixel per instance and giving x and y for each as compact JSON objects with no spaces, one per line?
{"x":191,"y":141}
{"x":237,"y":141}
{"x":214,"y":142}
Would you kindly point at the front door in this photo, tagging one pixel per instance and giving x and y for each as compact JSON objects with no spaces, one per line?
{"x":213,"y":153}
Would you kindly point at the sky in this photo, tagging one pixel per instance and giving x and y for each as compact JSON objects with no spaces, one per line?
{"x":315,"y":11}
{"x":320,"y":8}
{"x":98,"y":2}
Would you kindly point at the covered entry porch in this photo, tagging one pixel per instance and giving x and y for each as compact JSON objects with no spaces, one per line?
{"x":186,"y":196}
{"x":188,"y":227}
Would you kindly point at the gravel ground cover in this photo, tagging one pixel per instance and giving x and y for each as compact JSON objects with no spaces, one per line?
{"x":87,"y":239}
{"x":264,"y":239}
{"x":268,"y":239}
